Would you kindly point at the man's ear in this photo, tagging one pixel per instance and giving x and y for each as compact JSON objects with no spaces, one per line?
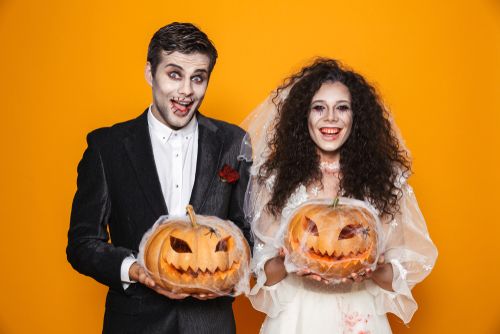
{"x":148,"y":74}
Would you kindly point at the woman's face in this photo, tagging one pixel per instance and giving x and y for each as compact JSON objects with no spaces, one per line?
{"x":330,"y":118}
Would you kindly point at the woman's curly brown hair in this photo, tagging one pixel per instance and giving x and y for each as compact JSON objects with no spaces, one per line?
{"x":371,"y":159}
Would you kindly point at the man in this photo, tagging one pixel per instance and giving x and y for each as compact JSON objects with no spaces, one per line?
{"x":134,"y":172}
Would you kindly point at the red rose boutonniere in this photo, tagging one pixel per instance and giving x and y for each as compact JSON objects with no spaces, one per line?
{"x":228,"y":174}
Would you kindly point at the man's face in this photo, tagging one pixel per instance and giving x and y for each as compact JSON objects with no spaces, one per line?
{"x":179,"y":84}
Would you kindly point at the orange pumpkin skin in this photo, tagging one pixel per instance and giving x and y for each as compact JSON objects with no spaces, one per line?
{"x":332,"y":241}
{"x":193,"y":258}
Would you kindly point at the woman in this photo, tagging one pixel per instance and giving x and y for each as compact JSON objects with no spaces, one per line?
{"x":325,"y":134}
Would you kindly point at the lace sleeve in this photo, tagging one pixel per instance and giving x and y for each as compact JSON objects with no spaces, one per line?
{"x":412,"y":254}
{"x":267,"y":242}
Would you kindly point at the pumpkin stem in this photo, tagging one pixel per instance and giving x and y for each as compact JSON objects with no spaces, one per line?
{"x":335,"y":202}
{"x":192,"y":217}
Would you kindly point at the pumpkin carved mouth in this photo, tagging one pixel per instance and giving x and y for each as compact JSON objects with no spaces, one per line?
{"x":203,"y":274}
{"x":333,"y":257}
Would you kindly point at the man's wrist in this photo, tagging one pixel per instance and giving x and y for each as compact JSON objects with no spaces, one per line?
{"x":125,"y":269}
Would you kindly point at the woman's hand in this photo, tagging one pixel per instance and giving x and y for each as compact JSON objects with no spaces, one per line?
{"x":309,"y":275}
{"x":382,"y":275}
{"x":275,"y":269}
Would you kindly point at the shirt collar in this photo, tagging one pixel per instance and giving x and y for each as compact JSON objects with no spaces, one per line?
{"x":166,"y":132}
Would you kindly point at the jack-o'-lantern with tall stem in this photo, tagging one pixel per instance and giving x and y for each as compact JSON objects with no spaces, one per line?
{"x":199,"y":255}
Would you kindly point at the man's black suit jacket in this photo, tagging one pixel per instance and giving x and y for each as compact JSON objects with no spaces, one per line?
{"x":119,"y":198}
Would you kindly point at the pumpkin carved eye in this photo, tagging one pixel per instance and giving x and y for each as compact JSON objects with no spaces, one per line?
{"x":349,"y":231}
{"x":179,"y":245}
{"x":222,"y":245}
{"x":311,"y":227}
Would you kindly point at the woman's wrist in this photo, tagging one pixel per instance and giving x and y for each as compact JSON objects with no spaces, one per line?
{"x":275,"y":270}
{"x":383,"y":276}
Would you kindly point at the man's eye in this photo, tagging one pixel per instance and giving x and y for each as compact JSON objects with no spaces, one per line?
{"x":197,"y":79}
{"x":174,"y":75}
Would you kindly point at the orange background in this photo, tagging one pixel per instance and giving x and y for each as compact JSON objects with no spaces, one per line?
{"x":68,"y":67}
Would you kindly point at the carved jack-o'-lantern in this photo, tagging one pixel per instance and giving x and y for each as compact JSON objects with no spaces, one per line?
{"x":188,"y":257}
{"x":332,"y":240}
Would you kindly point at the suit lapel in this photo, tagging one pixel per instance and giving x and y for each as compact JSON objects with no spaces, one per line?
{"x":140,"y":151}
{"x":209,"y":154}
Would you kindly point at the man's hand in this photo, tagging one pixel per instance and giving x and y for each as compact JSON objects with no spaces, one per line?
{"x":205,"y":296}
{"x":139,"y":274}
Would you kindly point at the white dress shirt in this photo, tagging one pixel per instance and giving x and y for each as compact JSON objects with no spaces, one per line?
{"x":175,"y":153}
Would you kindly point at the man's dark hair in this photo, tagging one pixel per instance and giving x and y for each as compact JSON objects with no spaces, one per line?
{"x":181,"y":37}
